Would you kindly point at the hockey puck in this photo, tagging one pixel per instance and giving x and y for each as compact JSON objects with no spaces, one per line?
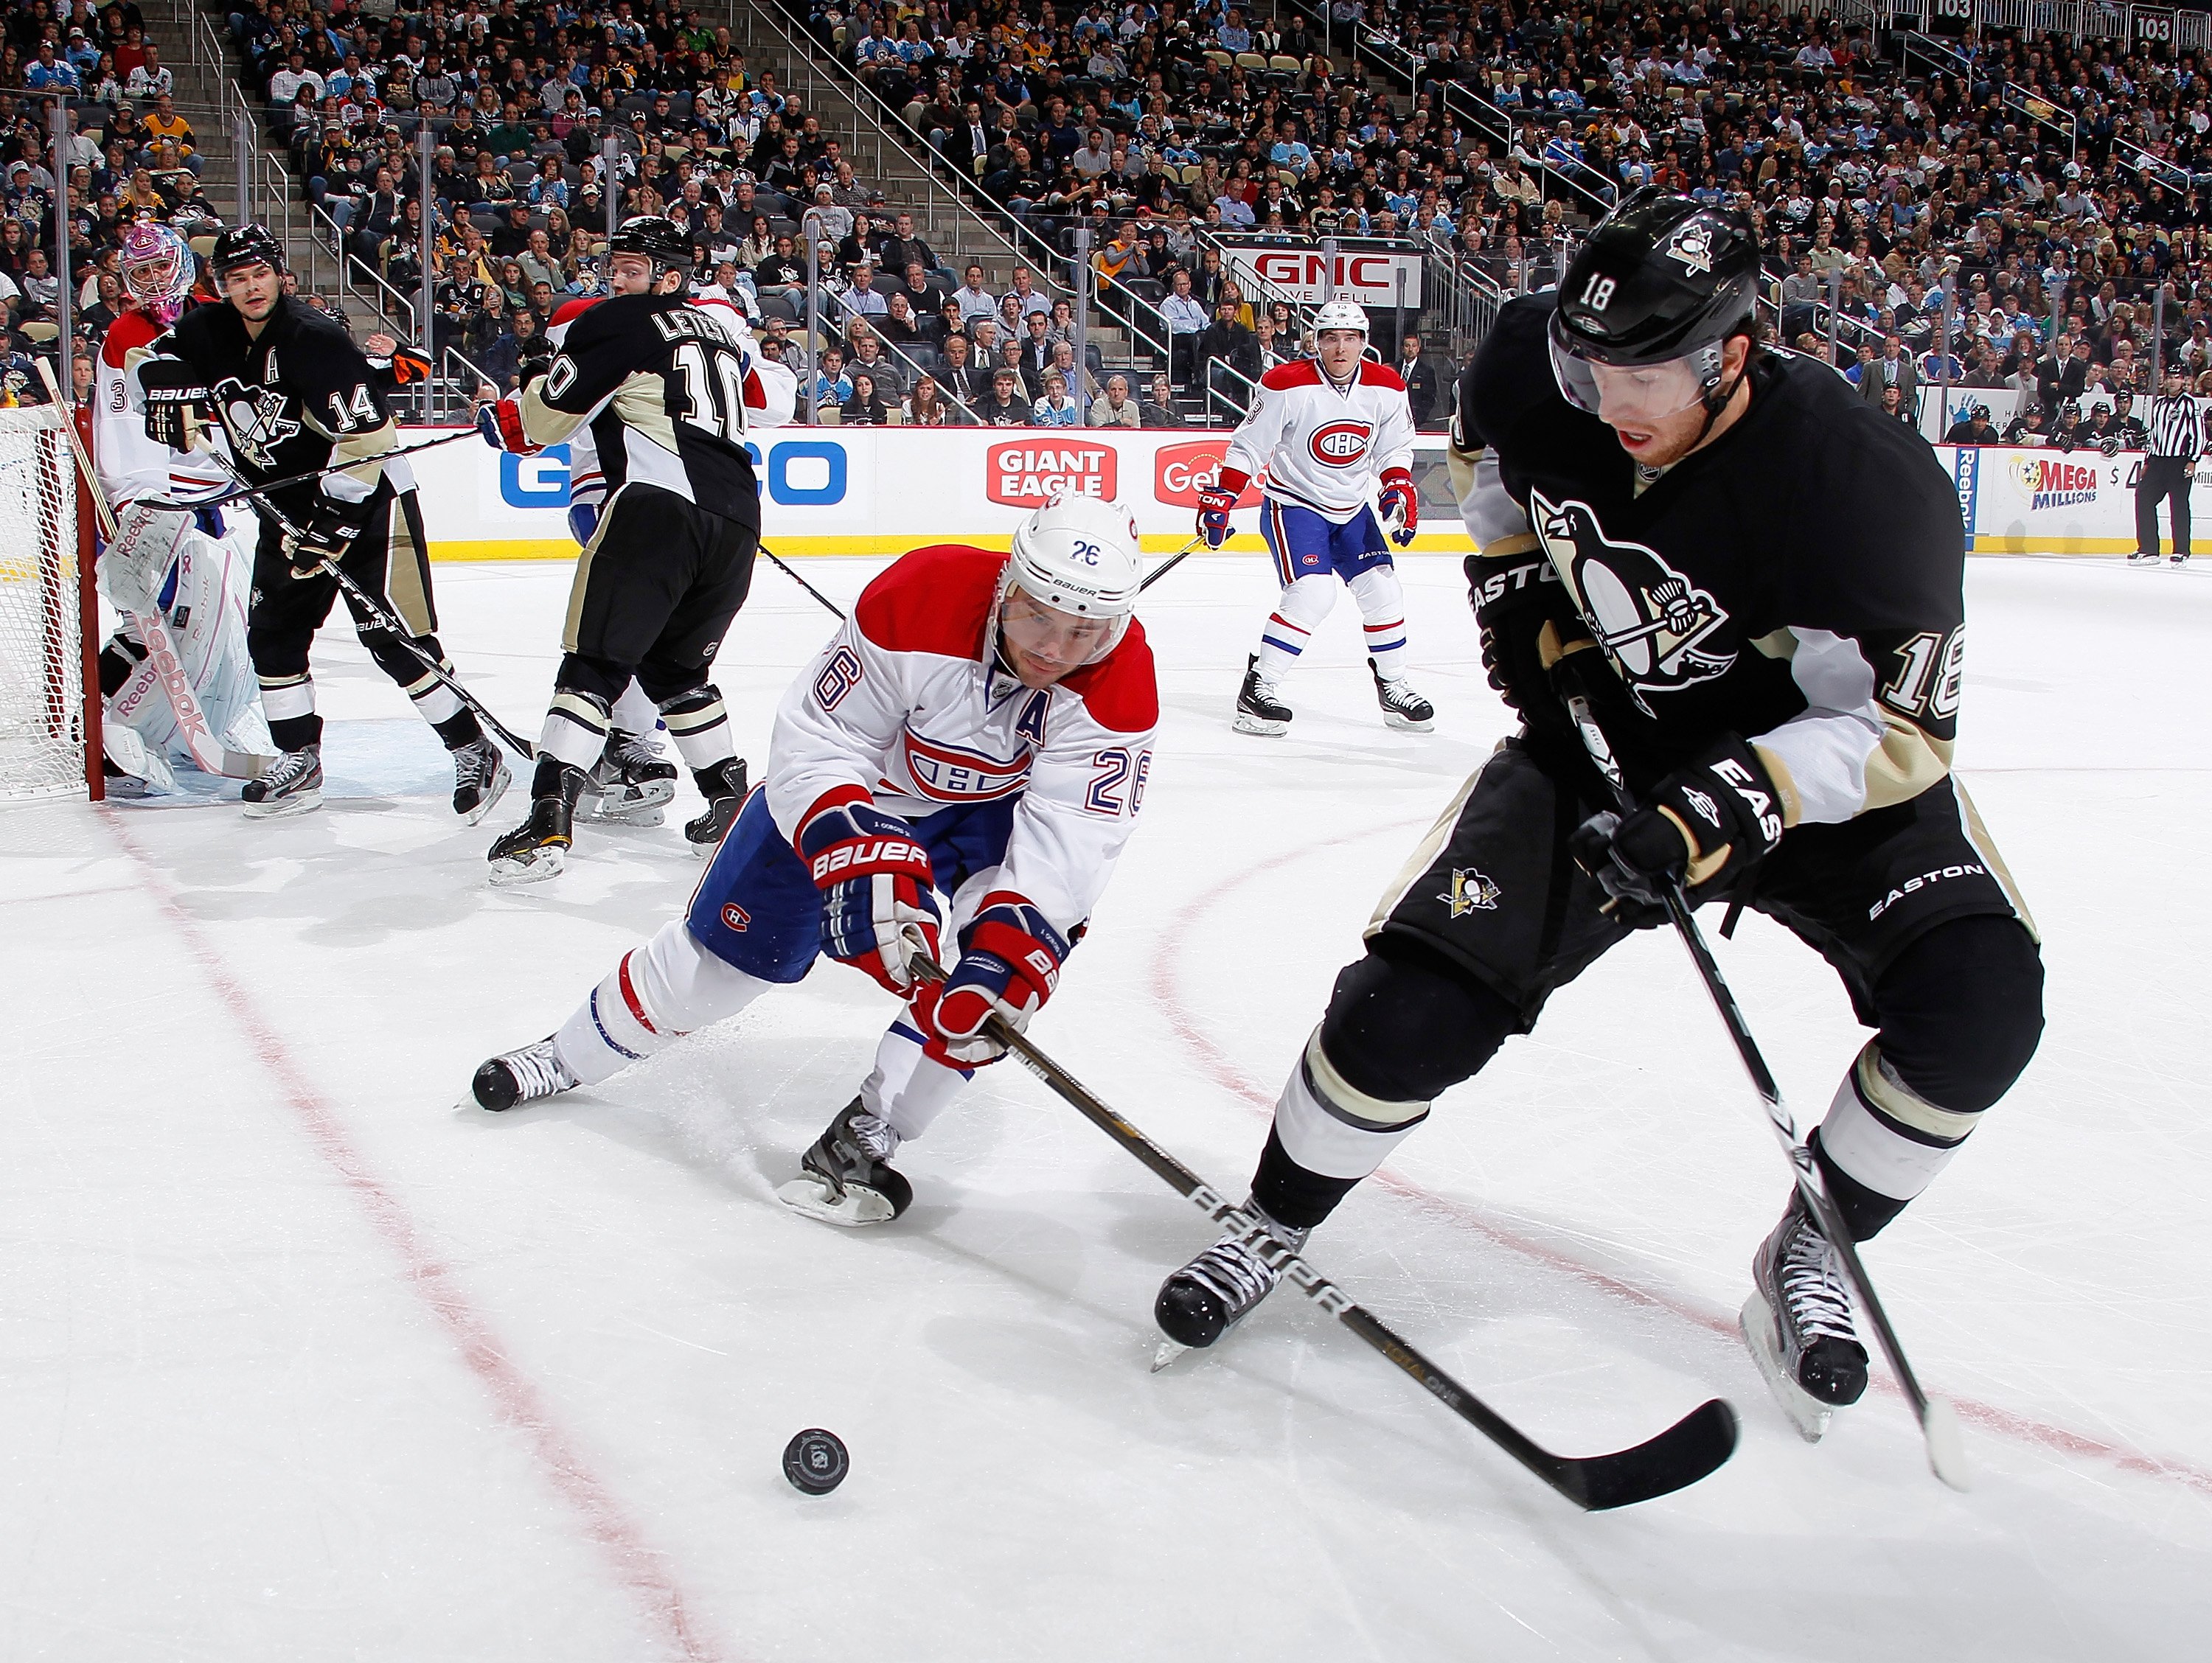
{"x":815,"y":1461}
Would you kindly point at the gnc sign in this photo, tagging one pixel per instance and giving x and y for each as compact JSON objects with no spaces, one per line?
{"x":1370,"y":278}
{"x":1023,"y":472}
{"x":1181,"y":472}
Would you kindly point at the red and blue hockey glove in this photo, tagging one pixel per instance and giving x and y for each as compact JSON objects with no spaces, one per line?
{"x":1703,"y":827}
{"x":1215,"y":502}
{"x":1400,"y":504}
{"x":1010,"y":959}
{"x":878,"y":912}
{"x":500,"y":422}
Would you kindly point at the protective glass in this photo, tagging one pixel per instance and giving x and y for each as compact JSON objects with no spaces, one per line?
{"x":1053,"y":639}
{"x":1627,"y":394}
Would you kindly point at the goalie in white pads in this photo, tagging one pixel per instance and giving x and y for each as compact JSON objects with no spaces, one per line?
{"x":982,"y":727}
{"x":1335,"y":436}
{"x":188,"y":695}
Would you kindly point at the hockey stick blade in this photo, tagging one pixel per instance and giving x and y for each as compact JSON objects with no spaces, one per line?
{"x":1684,"y":1453}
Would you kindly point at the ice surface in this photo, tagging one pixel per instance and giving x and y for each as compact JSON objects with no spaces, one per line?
{"x":302,"y":1361}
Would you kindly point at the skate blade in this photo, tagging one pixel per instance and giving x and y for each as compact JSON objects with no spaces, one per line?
{"x":640,"y":808}
{"x":1407,"y":724}
{"x":639,"y":813}
{"x":534,"y":867}
{"x":492,"y":792}
{"x":1170,"y":1351}
{"x":279,"y":808}
{"x":1259,"y":725}
{"x":1761,"y":1338}
{"x":858,"y":1205}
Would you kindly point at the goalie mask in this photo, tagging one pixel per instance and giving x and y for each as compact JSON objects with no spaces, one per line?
{"x":157,"y":271}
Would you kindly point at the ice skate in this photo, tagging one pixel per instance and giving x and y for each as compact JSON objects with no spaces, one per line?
{"x":294,"y":785}
{"x":536,"y":849}
{"x":1258,"y":708}
{"x":480,"y":779}
{"x":1402,"y":708}
{"x":630,"y":784}
{"x":1797,"y":1323}
{"x":723,"y":802}
{"x":847,"y":1178}
{"x":2144,"y":557}
{"x":1218,"y":1290}
{"x":521,"y":1077}
{"x":2179,"y":559}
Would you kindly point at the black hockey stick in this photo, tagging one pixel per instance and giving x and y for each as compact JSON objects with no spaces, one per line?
{"x":394,"y":626}
{"x":245,"y":491}
{"x":1684,"y":1453}
{"x":1939,"y":1422}
{"x":801,"y":581}
{"x":1170,"y":563}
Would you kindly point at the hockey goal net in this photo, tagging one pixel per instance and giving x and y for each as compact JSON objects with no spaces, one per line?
{"x":45,"y":602}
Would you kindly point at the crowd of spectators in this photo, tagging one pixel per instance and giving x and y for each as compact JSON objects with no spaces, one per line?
{"x":2036,"y":193}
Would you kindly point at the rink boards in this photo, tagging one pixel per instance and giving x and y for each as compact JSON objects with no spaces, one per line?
{"x":878,"y":491}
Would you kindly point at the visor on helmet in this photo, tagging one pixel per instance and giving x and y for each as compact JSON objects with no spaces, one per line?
{"x":1625,"y":395}
{"x":1057,"y":640}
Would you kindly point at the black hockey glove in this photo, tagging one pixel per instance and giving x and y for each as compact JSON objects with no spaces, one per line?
{"x":328,"y":534}
{"x":178,"y":402}
{"x":1527,"y":625}
{"x":1703,"y":827}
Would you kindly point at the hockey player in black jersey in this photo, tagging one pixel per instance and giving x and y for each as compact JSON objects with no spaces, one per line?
{"x":294,"y":395}
{"x":667,"y":388}
{"x":1756,"y":583}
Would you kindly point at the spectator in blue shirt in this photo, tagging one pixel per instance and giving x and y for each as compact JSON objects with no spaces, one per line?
{"x":1233,"y":35}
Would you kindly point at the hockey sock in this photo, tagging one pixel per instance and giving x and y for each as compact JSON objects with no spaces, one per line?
{"x":449,"y":719}
{"x":634,"y":713}
{"x":700,"y":725}
{"x":288,"y":702}
{"x":1382,"y":600}
{"x":907,"y":1088}
{"x":1329,"y":1135}
{"x":1297,"y":614}
{"x":1882,"y":1143}
{"x":659,"y":992}
{"x":575,"y":731}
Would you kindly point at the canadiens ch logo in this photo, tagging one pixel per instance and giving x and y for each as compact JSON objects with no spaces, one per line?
{"x":1470,"y":892}
{"x":255,"y":420}
{"x":1339,"y":443}
{"x":1653,"y":622}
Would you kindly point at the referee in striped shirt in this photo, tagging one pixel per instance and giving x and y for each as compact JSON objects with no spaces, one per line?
{"x":2177,"y":438}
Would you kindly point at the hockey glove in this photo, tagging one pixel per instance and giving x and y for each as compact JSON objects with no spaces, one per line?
{"x":500,"y":422}
{"x":1215,"y":502}
{"x":878,"y":913}
{"x":1010,"y":960}
{"x":1703,"y":827}
{"x":1529,"y":626}
{"x":178,"y":403}
{"x":1400,"y":504}
{"x":583,"y":520}
{"x":328,"y":534}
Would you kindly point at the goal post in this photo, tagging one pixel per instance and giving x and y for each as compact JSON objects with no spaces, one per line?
{"x":49,"y":618}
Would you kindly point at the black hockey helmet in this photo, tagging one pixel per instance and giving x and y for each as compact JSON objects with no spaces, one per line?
{"x":659,"y":239}
{"x":243,"y":245}
{"x":1661,"y":281}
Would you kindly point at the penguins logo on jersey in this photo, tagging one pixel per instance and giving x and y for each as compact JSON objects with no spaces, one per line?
{"x":255,"y":420}
{"x":1651,"y":621}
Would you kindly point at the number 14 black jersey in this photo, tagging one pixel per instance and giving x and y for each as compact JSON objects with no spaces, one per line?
{"x":667,"y":388}
{"x":1797,"y":581}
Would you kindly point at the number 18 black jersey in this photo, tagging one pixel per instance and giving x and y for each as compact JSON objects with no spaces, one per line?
{"x":667,"y":388}
{"x":1797,"y":581}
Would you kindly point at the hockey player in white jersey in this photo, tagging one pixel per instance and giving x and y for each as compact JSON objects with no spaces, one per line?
{"x":1336,"y":438}
{"x":981,"y":728}
{"x":187,"y":695}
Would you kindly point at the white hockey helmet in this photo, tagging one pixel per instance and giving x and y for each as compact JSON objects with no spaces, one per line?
{"x":1340,"y":314}
{"x":1078,"y":555}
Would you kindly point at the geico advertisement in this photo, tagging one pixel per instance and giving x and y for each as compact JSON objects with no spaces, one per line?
{"x":825,"y":490}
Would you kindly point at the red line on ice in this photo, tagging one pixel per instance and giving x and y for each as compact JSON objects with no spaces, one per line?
{"x":636,"y":1565}
{"x":1216,"y":1066}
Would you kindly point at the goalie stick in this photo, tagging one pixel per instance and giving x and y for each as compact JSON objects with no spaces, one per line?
{"x":1684,"y":1453}
{"x":208,"y":752}
{"x":1939,"y":1422}
{"x":368,"y":602}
